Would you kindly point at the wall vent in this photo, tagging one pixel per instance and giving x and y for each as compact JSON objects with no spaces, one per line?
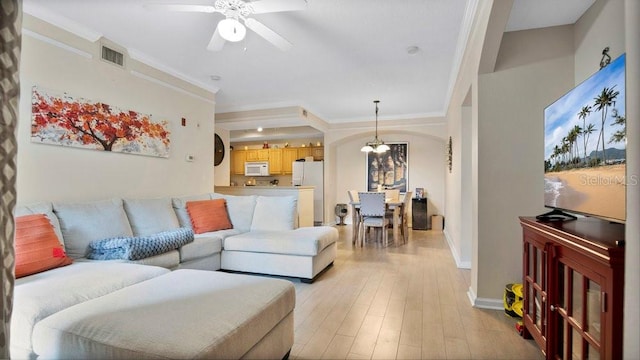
{"x":112,"y":56}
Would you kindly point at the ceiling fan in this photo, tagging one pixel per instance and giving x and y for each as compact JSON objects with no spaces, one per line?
{"x":231,"y":28}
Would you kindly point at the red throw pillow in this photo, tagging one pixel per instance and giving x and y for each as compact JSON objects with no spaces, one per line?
{"x":37,"y":246}
{"x":208,"y":215}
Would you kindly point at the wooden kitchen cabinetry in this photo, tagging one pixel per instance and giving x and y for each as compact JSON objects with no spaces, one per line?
{"x":238,"y":157}
{"x":573,"y":277}
{"x":304,"y":152}
{"x":280,"y":160}
{"x":318,"y":153}
{"x":289,"y":155}
{"x":275,"y":161}
{"x":258,"y":155}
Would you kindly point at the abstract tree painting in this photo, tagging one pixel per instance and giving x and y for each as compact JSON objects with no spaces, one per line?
{"x":62,"y":120}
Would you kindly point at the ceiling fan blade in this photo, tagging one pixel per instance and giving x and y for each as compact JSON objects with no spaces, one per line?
{"x":181,"y":7}
{"x":268,"y":6}
{"x":216,"y":43}
{"x":268,"y":34}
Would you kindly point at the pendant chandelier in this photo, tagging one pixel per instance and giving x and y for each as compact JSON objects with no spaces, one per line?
{"x":377,"y":145}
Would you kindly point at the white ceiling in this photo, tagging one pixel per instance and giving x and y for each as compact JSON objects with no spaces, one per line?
{"x":346,"y":53}
{"x":528,"y":14}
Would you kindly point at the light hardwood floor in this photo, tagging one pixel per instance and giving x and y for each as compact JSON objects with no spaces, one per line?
{"x":399,"y":302}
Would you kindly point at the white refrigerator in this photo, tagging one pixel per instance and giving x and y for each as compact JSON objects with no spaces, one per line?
{"x":311,"y":173}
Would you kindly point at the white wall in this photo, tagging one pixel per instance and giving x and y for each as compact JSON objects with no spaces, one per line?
{"x":632,"y":247}
{"x":47,"y":172}
{"x":601,"y":26}
{"x":465,"y":93}
{"x":510,"y":163}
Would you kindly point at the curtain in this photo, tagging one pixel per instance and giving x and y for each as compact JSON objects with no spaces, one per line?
{"x":10,"y":41}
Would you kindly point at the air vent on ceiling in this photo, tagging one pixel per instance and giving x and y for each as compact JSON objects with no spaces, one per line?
{"x":112,"y":56}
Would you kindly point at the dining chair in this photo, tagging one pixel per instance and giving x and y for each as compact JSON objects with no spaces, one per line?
{"x":372,"y":214}
{"x":353,"y":196}
{"x":392,"y":194}
{"x":405,"y":217}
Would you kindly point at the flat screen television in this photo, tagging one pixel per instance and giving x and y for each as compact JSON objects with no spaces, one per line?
{"x":585,"y":147}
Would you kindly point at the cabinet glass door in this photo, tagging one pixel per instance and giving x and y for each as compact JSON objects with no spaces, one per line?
{"x":578,"y":314}
{"x":535,"y":283}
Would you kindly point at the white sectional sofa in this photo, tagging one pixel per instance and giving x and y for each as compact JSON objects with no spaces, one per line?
{"x":143,"y":309}
{"x":263,"y":239}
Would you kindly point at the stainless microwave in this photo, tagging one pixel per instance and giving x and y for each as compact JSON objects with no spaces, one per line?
{"x":256,"y":168}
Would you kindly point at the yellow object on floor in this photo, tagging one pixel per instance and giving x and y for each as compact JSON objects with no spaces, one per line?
{"x":513,"y":300}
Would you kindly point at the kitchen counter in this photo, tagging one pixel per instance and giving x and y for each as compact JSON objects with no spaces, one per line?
{"x":304,"y":194}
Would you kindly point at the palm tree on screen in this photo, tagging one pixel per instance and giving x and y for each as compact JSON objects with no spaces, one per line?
{"x":619,"y":135}
{"x":584,"y":112}
{"x":602,"y":103}
{"x":572,"y":139}
{"x":585,"y":135}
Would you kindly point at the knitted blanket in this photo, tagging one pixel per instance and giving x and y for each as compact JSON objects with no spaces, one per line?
{"x":139,"y":247}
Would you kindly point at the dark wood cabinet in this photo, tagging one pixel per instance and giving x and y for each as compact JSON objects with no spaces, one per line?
{"x":419,"y":214}
{"x":573,"y":277}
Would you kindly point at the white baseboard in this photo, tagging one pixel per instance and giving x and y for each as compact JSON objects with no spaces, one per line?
{"x":484,"y":303}
{"x":456,"y":257}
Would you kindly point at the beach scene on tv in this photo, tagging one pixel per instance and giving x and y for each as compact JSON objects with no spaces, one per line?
{"x":585,"y":146}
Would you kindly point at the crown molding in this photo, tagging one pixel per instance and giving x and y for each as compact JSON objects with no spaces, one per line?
{"x":170,"y":86}
{"x":56,"y":43}
{"x":157,"y":64}
{"x":61,"y":22}
{"x":463,"y":38}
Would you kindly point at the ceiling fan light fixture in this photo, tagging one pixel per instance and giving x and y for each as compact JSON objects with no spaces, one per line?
{"x":231,"y":29}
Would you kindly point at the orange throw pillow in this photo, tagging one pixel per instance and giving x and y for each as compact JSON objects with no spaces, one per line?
{"x":37,"y":246}
{"x":208,"y":215}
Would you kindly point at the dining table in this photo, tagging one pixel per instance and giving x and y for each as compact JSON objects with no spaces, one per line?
{"x":394,"y":204}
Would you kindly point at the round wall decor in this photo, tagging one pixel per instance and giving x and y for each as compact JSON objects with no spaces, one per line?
{"x":218,"y":150}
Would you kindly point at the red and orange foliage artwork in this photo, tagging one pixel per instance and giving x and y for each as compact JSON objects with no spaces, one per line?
{"x":62,"y":120}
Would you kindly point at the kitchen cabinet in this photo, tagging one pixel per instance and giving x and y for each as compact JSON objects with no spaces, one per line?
{"x":280,"y":160}
{"x":275,"y":161}
{"x":573,"y":277}
{"x":289,"y":155}
{"x":318,"y":153}
{"x":258,"y":155}
{"x":238,"y":158}
{"x":304,"y":152}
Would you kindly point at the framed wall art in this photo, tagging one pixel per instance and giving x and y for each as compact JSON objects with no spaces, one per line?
{"x":60,"y":119}
{"x":389,"y":170}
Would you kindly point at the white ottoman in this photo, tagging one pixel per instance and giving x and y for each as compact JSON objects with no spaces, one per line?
{"x":180,"y":315}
